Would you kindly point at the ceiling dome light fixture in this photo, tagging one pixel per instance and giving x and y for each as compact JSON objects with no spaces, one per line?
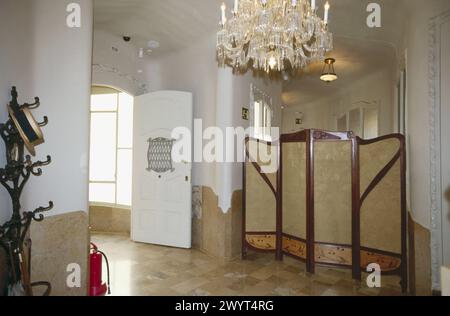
{"x":273,"y":35}
{"x":152,"y":44}
{"x":328,"y":73}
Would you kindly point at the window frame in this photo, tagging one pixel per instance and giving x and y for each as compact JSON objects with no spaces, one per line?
{"x":117,"y":149}
{"x":262,"y":132}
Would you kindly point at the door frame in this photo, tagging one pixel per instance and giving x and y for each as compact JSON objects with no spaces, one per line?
{"x":436,"y":193}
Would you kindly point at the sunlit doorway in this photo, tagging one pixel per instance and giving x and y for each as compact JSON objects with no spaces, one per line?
{"x":110,"y":160}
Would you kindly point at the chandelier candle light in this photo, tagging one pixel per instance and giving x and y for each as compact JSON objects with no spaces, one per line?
{"x":276,"y":35}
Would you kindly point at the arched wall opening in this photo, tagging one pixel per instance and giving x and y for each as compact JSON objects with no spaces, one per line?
{"x":110,"y":159}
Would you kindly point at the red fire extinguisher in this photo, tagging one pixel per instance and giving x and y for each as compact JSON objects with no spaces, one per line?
{"x":97,"y":287}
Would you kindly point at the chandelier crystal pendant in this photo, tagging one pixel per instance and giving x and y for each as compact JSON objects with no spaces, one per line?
{"x":275,"y":35}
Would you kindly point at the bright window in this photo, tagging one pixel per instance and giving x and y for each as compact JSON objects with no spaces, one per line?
{"x":111,"y":145}
{"x":262,"y":115}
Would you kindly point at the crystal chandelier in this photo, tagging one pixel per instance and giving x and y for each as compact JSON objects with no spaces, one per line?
{"x":275,"y":35}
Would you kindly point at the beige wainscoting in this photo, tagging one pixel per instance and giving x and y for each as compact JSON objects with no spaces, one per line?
{"x":445,"y":281}
{"x":57,"y":242}
{"x":419,"y":259}
{"x":109,"y":219}
{"x":214,"y":232}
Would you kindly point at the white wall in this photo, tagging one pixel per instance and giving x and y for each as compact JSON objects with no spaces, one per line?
{"x":322,"y":114}
{"x":230,"y":102}
{"x":317,"y":114}
{"x":118,"y":69}
{"x":417,"y":46}
{"x":445,"y":130}
{"x":193,"y":69}
{"x":15,"y":65}
{"x":378,"y":87}
{"x":241,"y":98}
{"x":45,"y":58}
{"x":218,"y":99}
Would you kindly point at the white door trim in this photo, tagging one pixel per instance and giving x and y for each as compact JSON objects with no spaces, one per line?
{"x":436,"y":195}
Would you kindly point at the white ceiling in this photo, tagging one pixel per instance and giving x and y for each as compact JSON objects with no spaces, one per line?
{"x":176,"y":23}
{"x":354,"y":60}
{"x":173,"y":23}
{"x":179,"y":23}
{"x":358,"y":49}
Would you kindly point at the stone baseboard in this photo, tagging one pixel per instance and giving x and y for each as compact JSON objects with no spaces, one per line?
{"x":57,"y":242}
{"x":107,"y":219}
{"x":419,"y":259}
{"x":214,"y":232}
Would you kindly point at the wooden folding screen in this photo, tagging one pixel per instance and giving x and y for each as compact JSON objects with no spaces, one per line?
{"x":260,"y":199}
{"x":336,"y":200}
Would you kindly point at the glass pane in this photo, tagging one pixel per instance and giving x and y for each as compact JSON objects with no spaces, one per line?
{"x":104,"y":102}
{"x":125,"y":138}
{"x":102,"y":161}
{"x":102,"y":192}
{"x":124,"y":175}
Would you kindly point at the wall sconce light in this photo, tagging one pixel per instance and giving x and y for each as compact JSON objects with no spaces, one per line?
{"x":328,"y":73}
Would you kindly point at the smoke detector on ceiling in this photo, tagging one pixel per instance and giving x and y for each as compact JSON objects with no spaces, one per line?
{"x":151,"y":45}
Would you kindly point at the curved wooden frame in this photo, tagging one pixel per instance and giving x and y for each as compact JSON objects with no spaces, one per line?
{"x":246,"y":245}
{"x":314,"y":253}
{"x":299,"y":137}
{"x":400,"y":155}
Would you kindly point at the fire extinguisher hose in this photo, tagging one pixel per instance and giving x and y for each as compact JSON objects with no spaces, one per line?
{"x":107,"y":268}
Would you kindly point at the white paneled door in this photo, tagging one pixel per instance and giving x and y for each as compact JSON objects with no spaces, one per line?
{"x":161,"y":206}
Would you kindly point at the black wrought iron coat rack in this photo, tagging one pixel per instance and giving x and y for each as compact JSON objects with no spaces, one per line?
{"x":14,"y":234}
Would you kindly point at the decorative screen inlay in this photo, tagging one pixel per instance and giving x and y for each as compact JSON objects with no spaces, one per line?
{"x":159,"y":155}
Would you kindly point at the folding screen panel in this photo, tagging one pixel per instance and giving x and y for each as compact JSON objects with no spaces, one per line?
{"x":260,"y":202}
{"x":382,"y":203}
{"x":294,"y":194}
{"x":332,"y":206}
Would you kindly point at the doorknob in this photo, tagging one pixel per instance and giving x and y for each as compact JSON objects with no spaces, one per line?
{"x":186,"y":178}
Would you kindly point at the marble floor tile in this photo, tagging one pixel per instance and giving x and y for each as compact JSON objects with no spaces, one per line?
{"x":146,"y":270}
